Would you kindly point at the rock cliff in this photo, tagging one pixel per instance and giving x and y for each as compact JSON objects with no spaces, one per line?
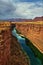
{"x":33,"y":31}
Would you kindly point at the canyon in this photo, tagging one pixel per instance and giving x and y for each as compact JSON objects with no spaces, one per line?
{"x":32,"y":30}
{"x":11,"y":52}
{"x":10,"y":49}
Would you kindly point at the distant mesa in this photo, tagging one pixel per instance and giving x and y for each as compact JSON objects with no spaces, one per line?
{"x":38,"y":19}
{"x":24,"y":20}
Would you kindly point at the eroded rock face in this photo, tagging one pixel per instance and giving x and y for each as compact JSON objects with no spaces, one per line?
{"x":5,"y":40}
{"x":30,"y":28}
{"x":34,"y":32}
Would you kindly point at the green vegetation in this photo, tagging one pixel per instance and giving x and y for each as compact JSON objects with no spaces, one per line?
{"x":37,"y":53}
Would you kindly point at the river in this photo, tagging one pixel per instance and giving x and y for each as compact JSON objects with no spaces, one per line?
{"x":27,"y":49}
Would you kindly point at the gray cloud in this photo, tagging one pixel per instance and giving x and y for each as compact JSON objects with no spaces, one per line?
{"x":6,"y":9}
{"x":16,"y":9}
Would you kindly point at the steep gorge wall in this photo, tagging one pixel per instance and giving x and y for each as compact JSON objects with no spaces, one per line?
{"x":34,"y":32}
{"x":5,"y":40}
{"x":27,"y":29}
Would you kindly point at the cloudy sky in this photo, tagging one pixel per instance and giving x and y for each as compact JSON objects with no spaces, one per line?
{"x":20,"y":9}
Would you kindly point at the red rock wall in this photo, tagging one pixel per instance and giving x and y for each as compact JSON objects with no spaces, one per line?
{"x":31,"y":30}
{"x":5,"y":40}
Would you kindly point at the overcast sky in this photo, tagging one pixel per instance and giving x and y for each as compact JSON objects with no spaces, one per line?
{"x":20,"y":9}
